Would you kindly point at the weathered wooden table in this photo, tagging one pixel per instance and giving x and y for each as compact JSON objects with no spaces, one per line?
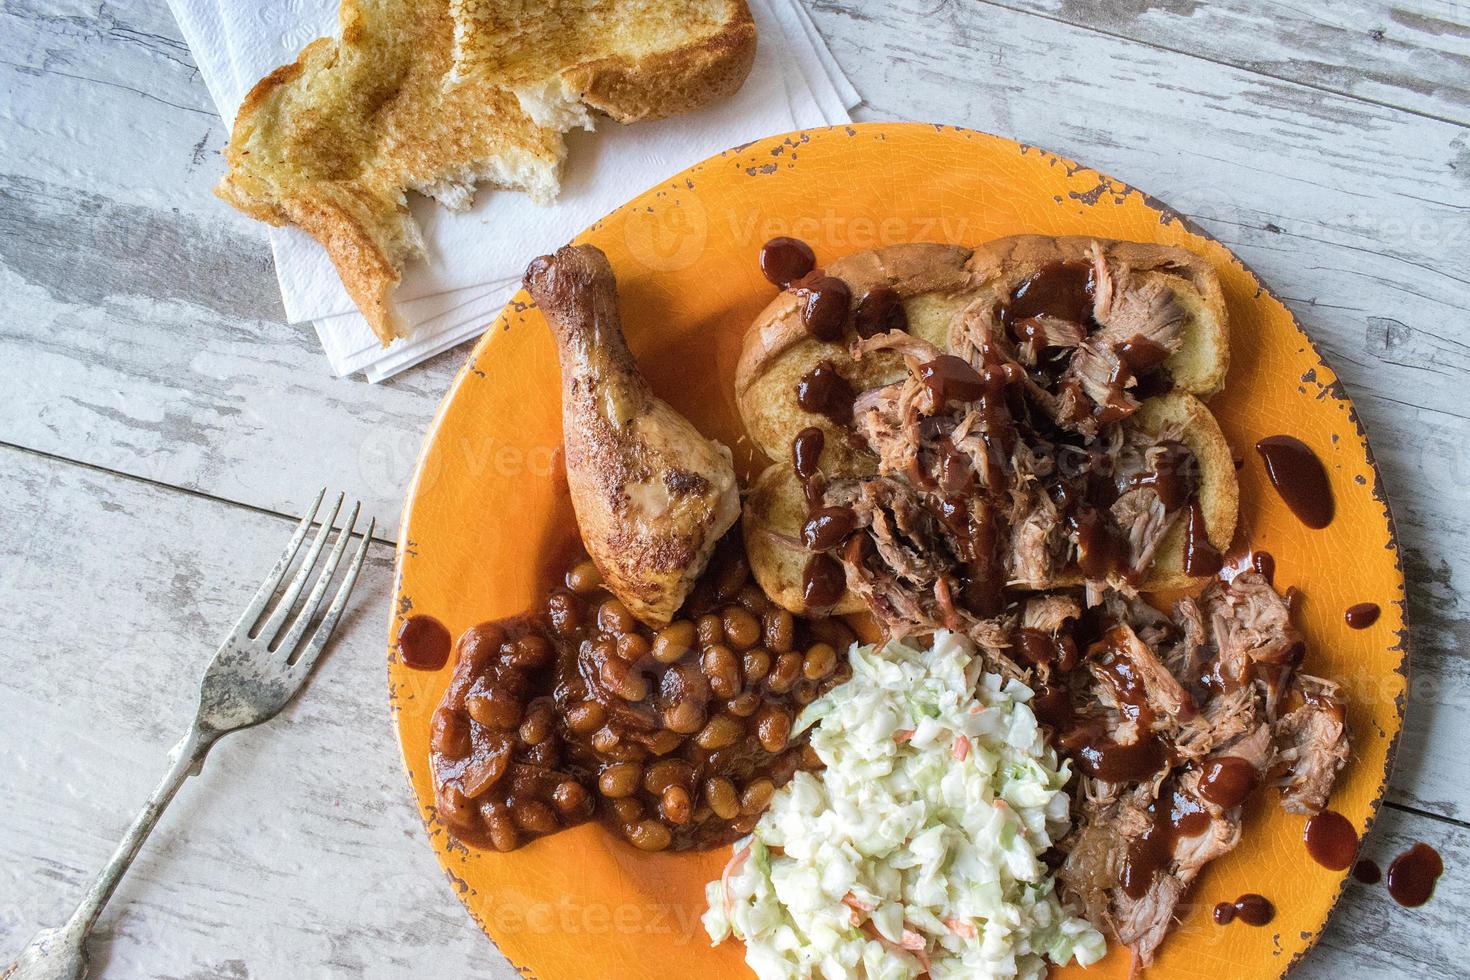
{"x":160,"y":424}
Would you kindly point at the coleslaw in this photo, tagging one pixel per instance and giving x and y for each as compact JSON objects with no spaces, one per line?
{"x":918,"y":848}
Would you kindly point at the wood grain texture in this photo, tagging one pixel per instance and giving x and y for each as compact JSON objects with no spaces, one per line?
{"x":1413,"y":55}
{"x":141,"y":334}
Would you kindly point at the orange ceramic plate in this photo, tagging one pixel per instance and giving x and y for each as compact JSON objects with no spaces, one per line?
{"x":581,"y":904}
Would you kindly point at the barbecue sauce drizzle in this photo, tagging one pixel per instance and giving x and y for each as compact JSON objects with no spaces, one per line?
{"x":1299,"y":477}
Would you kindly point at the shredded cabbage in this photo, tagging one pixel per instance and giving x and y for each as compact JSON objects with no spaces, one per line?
{"x":918,"y":848}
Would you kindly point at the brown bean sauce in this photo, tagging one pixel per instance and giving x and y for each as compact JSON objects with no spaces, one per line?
{"x":823,"y":391}
{"x":1228,"y":780}
{"x":824,"y":302}
{"x":879,"y":311}
{"x":1299,"y":477}
{"x":1362,"y":615}
{"x":1368,"y":872}
{"x":1201,"y":558}
{"x":673,"y":738}
{"x":785,"y":260}
{"x":1331,"y":840}
{"x":1413,"y":874}
{"x":423,"y":643}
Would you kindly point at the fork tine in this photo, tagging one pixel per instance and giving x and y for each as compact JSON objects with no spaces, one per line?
{"x":334,"y":611}
{"x":278,"y":570}
{"x":313,"y":601}
{"x":298,"y":581}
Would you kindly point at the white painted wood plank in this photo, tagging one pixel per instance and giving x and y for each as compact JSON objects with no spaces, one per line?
{"x":1410,"y":55}
{"x":298,"y":854}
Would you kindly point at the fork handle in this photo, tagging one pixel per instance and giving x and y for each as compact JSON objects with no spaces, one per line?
{"x":184,"y":762}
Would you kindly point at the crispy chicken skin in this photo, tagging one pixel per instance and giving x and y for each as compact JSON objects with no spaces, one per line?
{"x":652,"y":495}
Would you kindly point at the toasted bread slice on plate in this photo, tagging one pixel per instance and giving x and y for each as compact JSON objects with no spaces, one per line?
{"x":933,"y":284}
{"x":775,"y":508}
{"x":1200,"y":364}
{"x":332,"y":142}
{"x":1219,"y":488}
{"x":940,"y":287}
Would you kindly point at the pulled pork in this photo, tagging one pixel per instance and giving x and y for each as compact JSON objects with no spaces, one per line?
{"x":1206,"y":688}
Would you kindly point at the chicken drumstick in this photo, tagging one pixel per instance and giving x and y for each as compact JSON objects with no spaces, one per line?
{"x":652,"y":495}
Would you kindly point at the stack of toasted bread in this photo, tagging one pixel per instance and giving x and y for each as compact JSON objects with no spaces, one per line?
{"x":437,"y":96}
{"x":940,"y":288}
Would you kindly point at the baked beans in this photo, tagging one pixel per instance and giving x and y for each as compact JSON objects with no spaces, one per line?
{"x":497,"y":709}
{"x":742,"y":630}
{"x":675,"y":805}
{"x":673,"y":642}
{"x":676,"y":737}
{"x":711,"y":629}
{"x":719,"y":731}
{"x":723,"y":670}
{"x":584,"y":577}
{"x":773,"y":728}
{"x":619,"y":780}
{"x":720,"y":794}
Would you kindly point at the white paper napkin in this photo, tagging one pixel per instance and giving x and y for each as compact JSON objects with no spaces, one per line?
{"x":476,"y":257}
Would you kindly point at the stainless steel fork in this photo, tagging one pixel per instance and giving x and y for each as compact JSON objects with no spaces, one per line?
{"x":254,"y":673}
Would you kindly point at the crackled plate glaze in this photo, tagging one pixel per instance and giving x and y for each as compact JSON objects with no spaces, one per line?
{"x":484,"y":500}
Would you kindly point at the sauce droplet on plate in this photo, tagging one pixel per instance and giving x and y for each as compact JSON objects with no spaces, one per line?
{"x":1367,"y":872}
{"x":1331,"y":840}
{"x":1412,"y":875}
{"x":785,"y":260}
{"x":423,"y":643}
{"x":1299,"y":477}
{"x":1252,"y":909}
{"x":1265,"y":563}
{"x":1362,"y":615}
